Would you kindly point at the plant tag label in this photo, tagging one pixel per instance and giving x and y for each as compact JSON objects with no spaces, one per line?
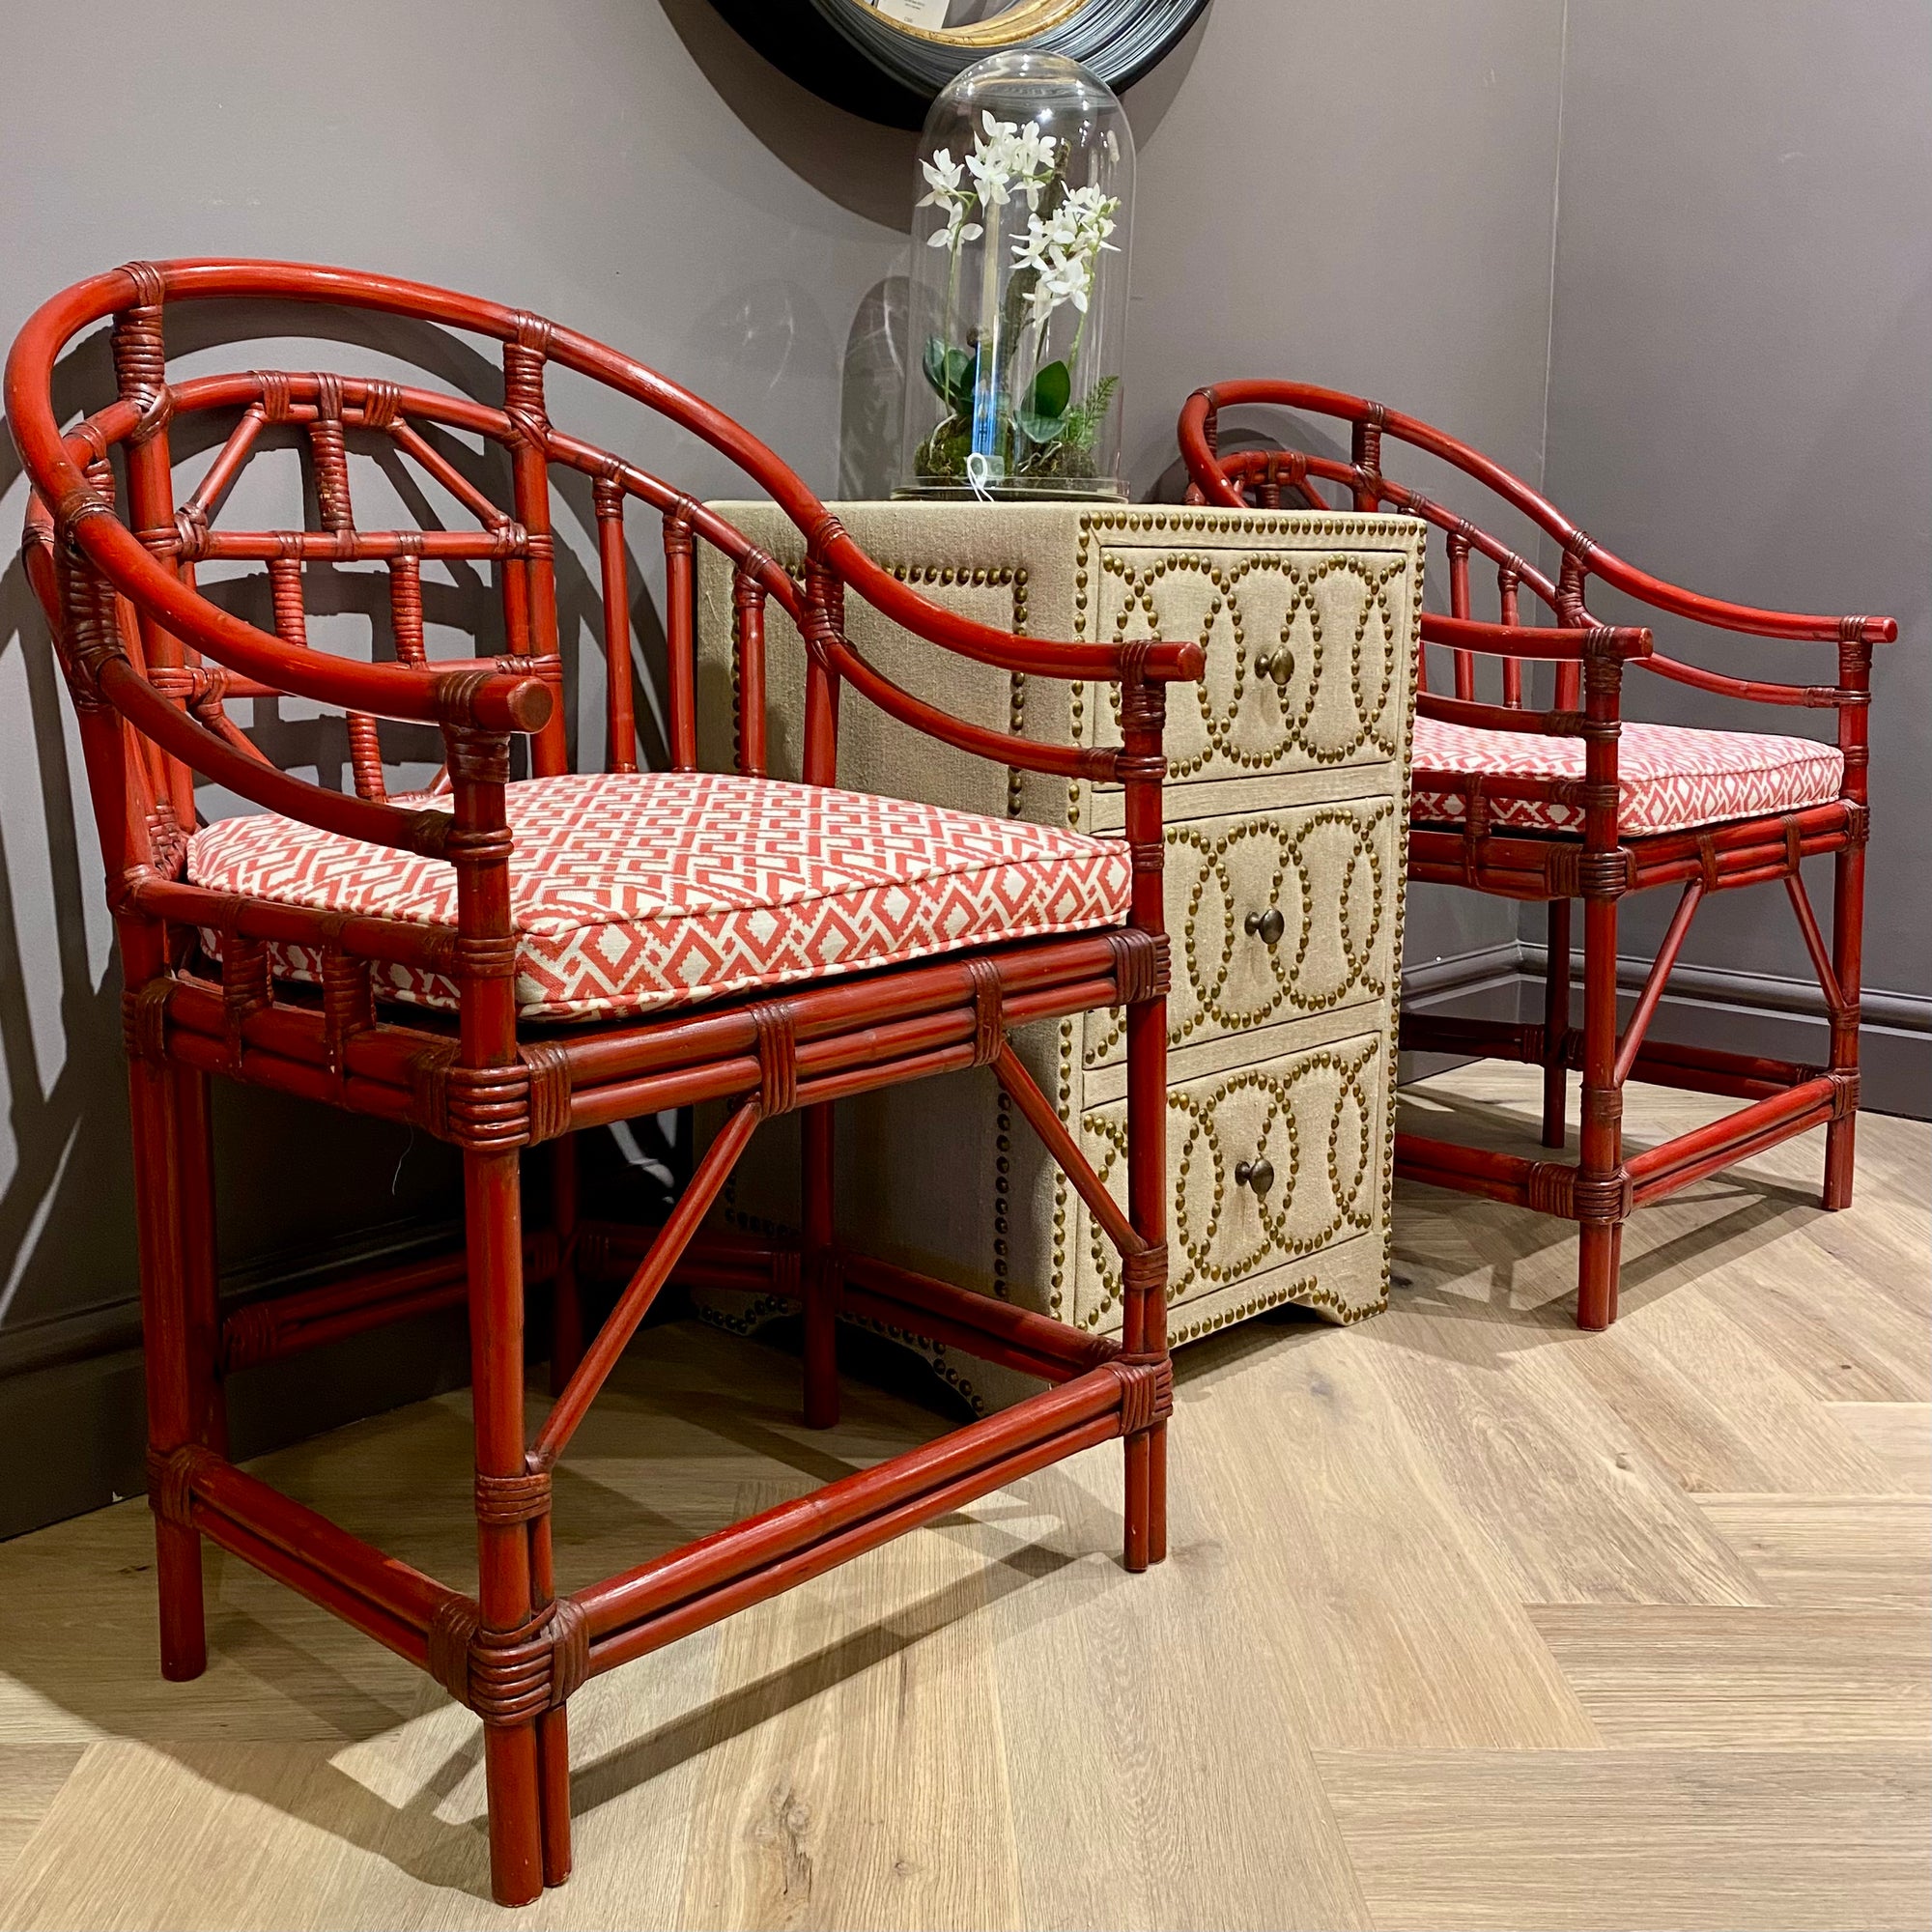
{"x":927,"y":14}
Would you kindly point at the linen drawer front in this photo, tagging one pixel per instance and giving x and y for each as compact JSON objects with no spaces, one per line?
{"x":1306,"y":653}
{"x":1269,"y":1165}
{"x":1270,"y":917}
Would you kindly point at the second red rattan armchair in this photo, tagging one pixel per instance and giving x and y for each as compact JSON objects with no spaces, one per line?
{"x":1573,"y":800}
{"x":503,"y":962}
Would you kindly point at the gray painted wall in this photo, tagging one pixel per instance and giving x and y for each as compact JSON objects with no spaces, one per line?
{"x":1364,"y":196}
{"x":1393,"y":237}
{"x":577,"y":158}
{"x":1739,"y":394}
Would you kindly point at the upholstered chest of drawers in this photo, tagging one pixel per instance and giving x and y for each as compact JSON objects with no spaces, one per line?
{"x":1286,"y":805}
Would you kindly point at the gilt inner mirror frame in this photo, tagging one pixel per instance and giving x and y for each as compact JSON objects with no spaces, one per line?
{"x":886,"y":59}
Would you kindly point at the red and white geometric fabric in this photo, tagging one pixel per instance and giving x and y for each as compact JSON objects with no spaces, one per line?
{"x":638,"y":891}
{"x":1668,"y":777}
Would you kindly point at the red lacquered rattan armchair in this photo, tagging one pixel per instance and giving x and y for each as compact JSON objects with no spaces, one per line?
{"x":1576,"y":801}
{"x":504,"y":963}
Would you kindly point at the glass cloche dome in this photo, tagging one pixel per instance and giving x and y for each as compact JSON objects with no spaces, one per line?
{"x":1019,"y":285}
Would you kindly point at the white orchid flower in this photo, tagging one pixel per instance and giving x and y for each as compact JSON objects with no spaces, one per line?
{"x":1032,"y":151}
{"x":1070,"y":280}
{"x":1006,"y":159}
{"x":943,"y":176}
{"x":1030,"y":249}
{"x":945,"y":192}
{"x":1032,"y":157}
{"x":958,"y":228}
{"x":1063,"y":250}
{"x":991,"y":174}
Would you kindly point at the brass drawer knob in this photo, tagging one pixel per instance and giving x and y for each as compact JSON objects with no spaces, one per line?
{"x":1278,"y":664}
{"x":1267,"y":926}
{"x":1258,"y":1174}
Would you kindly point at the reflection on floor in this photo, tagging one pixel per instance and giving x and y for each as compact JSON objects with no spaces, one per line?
{"x":1472,"y":1621}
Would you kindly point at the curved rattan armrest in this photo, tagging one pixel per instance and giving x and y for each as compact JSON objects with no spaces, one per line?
{"x":1160,"y":661}
{"x":832,"y":544}
{"x":267,"y":786}
{"x":1529,"y":640}
{"x":1196,"y":436}
{"x":1794,"y":625}
{"x":390,"y":691}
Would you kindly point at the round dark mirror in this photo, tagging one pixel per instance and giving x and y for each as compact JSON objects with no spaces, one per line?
{"x":888,"y":59}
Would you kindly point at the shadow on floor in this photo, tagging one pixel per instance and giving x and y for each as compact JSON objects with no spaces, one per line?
{"x":719,"y":1409}
{"x":717,"y":1413}
{"x":1444,"y":1241}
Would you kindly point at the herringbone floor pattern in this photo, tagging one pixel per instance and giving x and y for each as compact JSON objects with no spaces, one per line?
{"x":1472,"y":1621}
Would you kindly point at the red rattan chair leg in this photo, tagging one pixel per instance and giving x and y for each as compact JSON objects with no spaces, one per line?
{"x":1848,"y":906}
{"x":1143,"y":1275}
{"x":566,"y":1309}
{"x":494,"y":1227}
{"x":1143,"y":1311}
{"x":553,"y":1728}
{"x":173,"y":1201}
{"x":200,"y":1285}
{"x":1601,"y":1188}
{"x":818,"y":1276}
{"x":553,"y":1781}
{"x":1840,"y":1157}
{"x":1599,"y":1262}
{"x":1555,"y":1024}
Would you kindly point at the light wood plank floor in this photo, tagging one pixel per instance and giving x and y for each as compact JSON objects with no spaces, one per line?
{"x":1471,"y":1621}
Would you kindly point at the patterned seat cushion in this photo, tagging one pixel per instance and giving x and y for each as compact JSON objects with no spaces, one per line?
{"x":657,"y":889}
{"x":1668,"y":777}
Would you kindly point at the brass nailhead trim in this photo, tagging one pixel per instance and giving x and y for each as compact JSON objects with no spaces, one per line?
{"x":1381,"y":531}
{"x":1356,"y":1208}
{"x":1364,"y":824}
